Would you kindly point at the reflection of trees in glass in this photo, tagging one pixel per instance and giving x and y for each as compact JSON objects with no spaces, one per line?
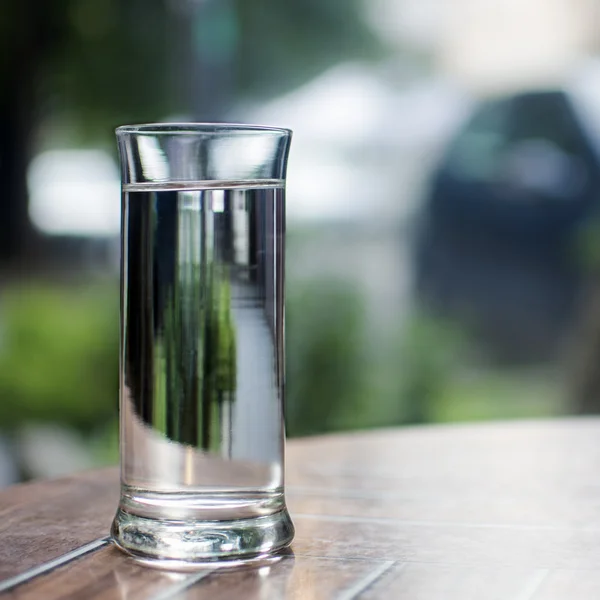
{"x":183,"y":377}
{"x":226,"y":378}
{"x":199,"y":361}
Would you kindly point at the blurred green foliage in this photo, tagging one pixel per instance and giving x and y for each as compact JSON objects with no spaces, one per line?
{"x":430,"y":353}
{"x":325,"y":356}
{"x":488,"y":394}
{"x":59,"y":355}
{"x":284,"y":43}
{"x":59,"y":363}
{"x":344,"y":374}
{"x":585,"y":250}
{"x":94,"y":64}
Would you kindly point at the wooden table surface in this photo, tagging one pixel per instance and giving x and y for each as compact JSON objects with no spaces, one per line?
{"x":507,"y":511}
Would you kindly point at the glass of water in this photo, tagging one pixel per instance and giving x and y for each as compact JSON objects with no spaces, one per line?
{"x":202,"y":334}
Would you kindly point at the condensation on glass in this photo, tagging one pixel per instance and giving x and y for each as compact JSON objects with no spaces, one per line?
{"x":202,"y":355}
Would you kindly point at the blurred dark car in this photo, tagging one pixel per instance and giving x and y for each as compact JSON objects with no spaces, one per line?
{"x":499,"y":236}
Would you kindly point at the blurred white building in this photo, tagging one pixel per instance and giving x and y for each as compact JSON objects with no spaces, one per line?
{"x":500,"y":45}
{"x":493,"y":45}
{"x":360,"y":141}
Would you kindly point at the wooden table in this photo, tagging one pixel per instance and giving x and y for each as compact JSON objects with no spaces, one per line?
{"x":505,"y":511}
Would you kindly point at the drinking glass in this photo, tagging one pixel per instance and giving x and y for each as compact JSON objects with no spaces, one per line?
{"x":202,"y":343}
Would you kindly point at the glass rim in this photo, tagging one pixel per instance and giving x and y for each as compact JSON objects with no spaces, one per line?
{"x":193,"y":128}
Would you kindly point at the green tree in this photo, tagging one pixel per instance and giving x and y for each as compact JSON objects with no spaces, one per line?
{"x":74,"y":69}
{"x":325,"y":364}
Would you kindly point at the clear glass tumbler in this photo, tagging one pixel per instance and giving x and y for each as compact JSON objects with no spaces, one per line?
{"x":202,"y":343}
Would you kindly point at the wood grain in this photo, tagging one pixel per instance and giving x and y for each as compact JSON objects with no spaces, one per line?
{"x":104,"y":574}
{"x":508,"y":511}
{"x":568,"y":584}
{"x":416,"y":581}
{"x":43,"y":520}
{"x":297,"y":577}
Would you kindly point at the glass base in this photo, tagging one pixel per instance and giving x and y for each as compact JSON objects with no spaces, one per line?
{"x":194,"y":544}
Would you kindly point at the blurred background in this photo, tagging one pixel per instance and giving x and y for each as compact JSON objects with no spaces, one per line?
{"x":443,"y":203}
